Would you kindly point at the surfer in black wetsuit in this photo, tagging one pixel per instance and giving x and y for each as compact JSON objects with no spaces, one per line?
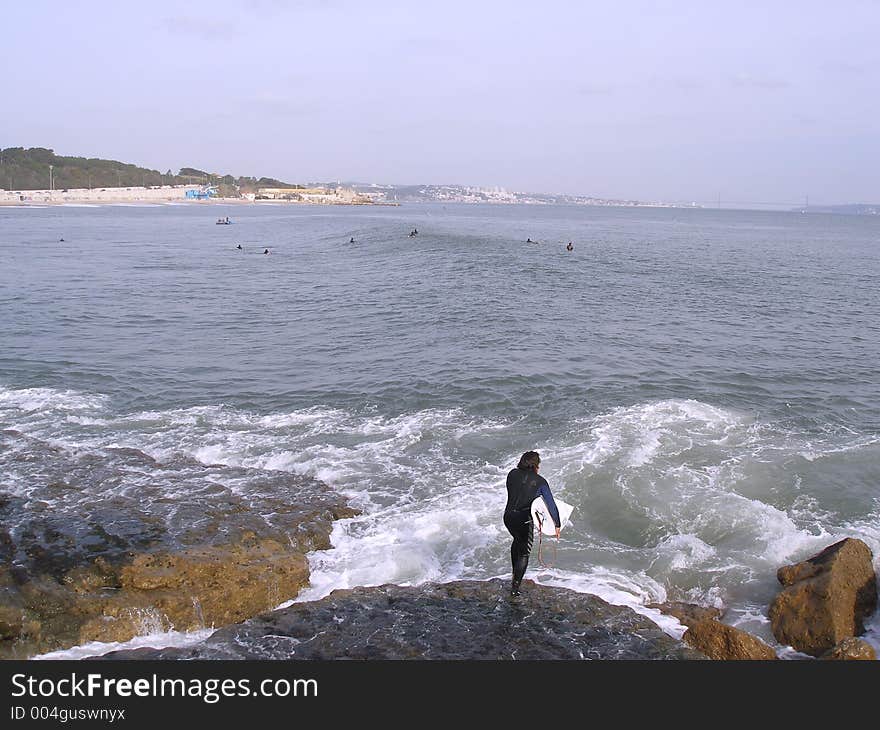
{"x":524,"y":484}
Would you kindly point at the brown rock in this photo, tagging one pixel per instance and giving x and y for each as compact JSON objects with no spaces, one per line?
{"x":121,"y":628}
{"x":850,"y":649}
{"x":221,"y":577}
{"x":195,"y":588}
{"x":826,"y":598}
{"x":10,"y":622}
{"x":720,"y":641}
{"x":223,"y":585}
{"x":687,"y":613}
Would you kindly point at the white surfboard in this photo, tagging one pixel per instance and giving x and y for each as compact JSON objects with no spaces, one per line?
{"x":541,"y":515}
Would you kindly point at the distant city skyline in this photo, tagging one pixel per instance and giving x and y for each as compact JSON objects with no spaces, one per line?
{"x":756,"y":103}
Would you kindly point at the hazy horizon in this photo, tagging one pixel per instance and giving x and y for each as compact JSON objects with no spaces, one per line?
{"x":653,"y":101}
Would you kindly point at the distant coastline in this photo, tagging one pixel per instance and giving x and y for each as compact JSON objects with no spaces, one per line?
{"x":37,"y":176}
{"x":848,"y":209}
{"x":171,"y":195}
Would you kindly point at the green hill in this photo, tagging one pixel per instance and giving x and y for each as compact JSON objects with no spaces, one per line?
{"x":28,"y":169}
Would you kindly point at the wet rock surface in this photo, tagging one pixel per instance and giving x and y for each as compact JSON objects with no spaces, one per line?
{"x":851,"y":649}
{"x":109,"y":543}
{"x":826,"y":598}
{"x":688,"y":614}
{"x":720,"y":641}
{"x":459,"y":620}
{"x":708,"y":635}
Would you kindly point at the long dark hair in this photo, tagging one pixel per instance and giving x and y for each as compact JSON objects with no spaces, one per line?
{"x":529,"y":460}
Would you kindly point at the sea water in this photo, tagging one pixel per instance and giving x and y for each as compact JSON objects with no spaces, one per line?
{"x":702,"y":385}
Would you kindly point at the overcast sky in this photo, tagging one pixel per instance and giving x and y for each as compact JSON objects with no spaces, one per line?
{"x":765,"y":101}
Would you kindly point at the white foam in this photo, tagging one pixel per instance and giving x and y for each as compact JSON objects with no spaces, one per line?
{"x":872,"y":631}
{"x":823,"y":451}
{"x":684,"y":551}
{"x":30,"y":400}
{"x":408,"y":543}
{"x":159,"y":640}
{"x":618,"y":588}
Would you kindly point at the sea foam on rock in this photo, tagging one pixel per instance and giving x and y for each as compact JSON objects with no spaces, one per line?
{"x":825,"y":598}
{"x":123,"y":564}
{"x":458,"y":620}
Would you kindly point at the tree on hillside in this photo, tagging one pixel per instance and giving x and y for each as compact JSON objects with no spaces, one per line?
{"x":28,"y":169}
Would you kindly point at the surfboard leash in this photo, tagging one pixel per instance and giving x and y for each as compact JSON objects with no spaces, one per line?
{"x":540,"y":544}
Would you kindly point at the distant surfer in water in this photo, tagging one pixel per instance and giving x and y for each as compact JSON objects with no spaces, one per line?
{"x":524,"y":485}
{"x":239,"y":247}
{"x":569,"y":247}
{"x":266,"y":251}
{"x":351,"y":240}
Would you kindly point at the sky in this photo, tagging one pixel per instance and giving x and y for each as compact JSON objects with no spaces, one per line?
{"x":753,"y":102}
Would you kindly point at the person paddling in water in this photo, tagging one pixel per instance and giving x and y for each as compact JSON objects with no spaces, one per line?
{"x":524,"y":485}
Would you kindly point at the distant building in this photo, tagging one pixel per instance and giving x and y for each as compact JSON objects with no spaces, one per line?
{"x":283,"y":193}
{"x":321,"y":196}
{"x":203,"y":193}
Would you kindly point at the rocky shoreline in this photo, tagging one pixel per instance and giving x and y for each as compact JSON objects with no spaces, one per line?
{"x":821,"y":609}
{"x":826,"y":597}
{"x":108,"y":570}
{"x":98,"y":552}
{"x":478,"y":620}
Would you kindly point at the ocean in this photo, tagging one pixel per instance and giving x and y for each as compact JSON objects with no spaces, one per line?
{"x":702,"y":385}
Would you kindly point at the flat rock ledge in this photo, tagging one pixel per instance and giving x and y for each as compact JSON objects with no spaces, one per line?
{"x":458,"y":620}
